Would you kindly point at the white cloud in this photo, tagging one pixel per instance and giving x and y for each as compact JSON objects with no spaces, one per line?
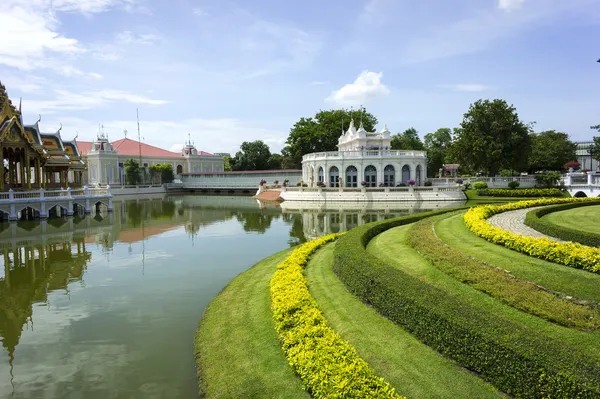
{"x":366,"y":87}
{"x":200,"y":12}
{"x":471,"y":87}
{"x":510,"y":4}
{"x":127,"y":37}
{"x":95,"y":75}
{"x":67,"y":100}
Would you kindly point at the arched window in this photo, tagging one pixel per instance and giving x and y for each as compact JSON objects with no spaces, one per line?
{"x":321,"y":174}
{"x":334,"y":176}
{"x":371,"y":176}
{"x":351,"y":176}
{"x":418,"y":175}
{"x":405,"y":174}
{"x":179,"y":169}
{"x":388,"y":176}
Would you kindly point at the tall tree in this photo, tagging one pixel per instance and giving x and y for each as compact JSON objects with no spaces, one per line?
{"x":550,"y":150}
{"x":321,"y":133}
{"x":407,"y":140}
{"x":437,"y":145}
{"x":594,"y":149}
{"x":275,"y":161}
{"x":253,"y":155}
{"x":491,"y":137}
{"x":132,"y":171}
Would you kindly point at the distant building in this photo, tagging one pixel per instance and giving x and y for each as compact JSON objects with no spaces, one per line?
{"x":449,"y":170}
{"x":365,"y":156}
{"x":584,"y":158}
{"x":105,"y":160}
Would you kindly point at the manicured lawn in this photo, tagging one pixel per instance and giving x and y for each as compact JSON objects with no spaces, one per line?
{"x":586,"y":218}
{"x":391,"y":246}
{"x":238,"y":354}
{"x":472,"y":196}
{"x":516,"y":292}
{"x":573,"y":282}
{"x":414,"y":369}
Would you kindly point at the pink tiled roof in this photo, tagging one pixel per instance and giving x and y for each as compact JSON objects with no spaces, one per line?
{"x":130,"y":147}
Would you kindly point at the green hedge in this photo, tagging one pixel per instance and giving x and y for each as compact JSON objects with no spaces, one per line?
{"x":515,"y":358}
{"x":522,"y":192}
{"x":535,"y":220}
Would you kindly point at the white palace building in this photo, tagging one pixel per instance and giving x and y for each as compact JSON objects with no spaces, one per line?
{"x":365,"y":157}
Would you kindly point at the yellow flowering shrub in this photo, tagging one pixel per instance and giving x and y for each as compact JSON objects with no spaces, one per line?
{"x":328,"y":366}
{"x":564,"y":253}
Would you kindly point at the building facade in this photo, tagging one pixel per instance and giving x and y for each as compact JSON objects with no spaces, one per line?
{"x":364,"y":158}
{"x":584,"y":158}
{"x":105,"y":160}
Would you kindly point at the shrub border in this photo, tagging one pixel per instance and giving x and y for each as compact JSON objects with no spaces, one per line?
{"x":327,"y":365}
{"x":515,"y":358}
{"x":520,"y":192}
{"x":535,"y":220}
{"x":564,"y":253}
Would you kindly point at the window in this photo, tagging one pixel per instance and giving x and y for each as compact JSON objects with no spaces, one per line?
{"x":351,"y":176}
{"x":388,"y":176}
{"x":371,"y":176}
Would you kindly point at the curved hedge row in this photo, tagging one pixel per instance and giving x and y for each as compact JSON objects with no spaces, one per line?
{"x":535,"y":220}
{"x":328,"y":366}
{"x":515,"y":358}
{"x":568,"y":254}
{"x":522,"y":192}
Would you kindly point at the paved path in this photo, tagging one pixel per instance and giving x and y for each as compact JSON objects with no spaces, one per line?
{"x":514,"y":221}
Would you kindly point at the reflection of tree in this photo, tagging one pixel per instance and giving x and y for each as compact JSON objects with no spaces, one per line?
{"x":255,"y":221}
{"x":297,"y":228}
{"x":29,"y":274}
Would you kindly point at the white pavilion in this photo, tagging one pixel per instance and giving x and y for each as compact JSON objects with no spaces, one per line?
{"x":365,"y":157}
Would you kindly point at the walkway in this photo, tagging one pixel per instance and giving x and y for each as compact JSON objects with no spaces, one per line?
{"x":514,"y":221}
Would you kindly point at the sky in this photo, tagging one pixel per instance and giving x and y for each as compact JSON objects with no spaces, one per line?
{"x":225,"y":71}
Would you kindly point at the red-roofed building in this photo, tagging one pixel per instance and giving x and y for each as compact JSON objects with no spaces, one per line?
{"x":105,"y":160}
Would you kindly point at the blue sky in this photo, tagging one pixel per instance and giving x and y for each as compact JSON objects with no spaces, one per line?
{"x":232,"y":71}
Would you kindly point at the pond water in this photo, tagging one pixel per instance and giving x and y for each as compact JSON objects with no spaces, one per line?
{"x":106,"y":306}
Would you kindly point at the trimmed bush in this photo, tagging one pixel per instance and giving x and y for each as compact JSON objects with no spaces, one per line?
{"x":479,"y":185}
{"x":568,"y":254}
{"x":535,"y":220}
{"x":513,"y":184}
{"x":428,"y":183}
{"x":523,"y":192}
{"x":518,"y":360}
{"x":328,"y":366}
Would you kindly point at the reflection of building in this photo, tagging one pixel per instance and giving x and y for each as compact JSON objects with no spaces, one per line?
{"x":30,"y":273}
{"x":584,"y":158}
{"x":34,"y":159}
{"x":106,"y":160}
{"x":365,"y":156}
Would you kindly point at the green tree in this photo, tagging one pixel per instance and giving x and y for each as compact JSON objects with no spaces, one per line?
{"x":132,"y":171}
{"x":407,"y":140}
{"x":275,"y":161}
{"x":491,"y":137}
{"x":594,"y":149}
{"x":321,"y":133}
{"x":550,"y":150}
{"x":227,"y":165}
{"x":437,"y":145}
{"x":166,"y":173}
{"x":253,"y":155}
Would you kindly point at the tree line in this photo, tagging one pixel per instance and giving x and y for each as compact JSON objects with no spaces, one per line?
{"x":491,"y":139}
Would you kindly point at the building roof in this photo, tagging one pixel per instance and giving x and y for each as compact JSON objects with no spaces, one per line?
{"x":129,"y":147}
{"x":451,"y":166}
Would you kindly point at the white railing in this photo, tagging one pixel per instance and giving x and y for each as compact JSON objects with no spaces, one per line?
{"x":364,"y":154}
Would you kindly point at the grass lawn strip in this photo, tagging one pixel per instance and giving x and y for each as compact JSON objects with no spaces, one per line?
{"x":392,"y":247}
{"x":517,"y":293}
{"x":416,"y":370}
{"x":576,"y":222}
{"x":565,"y":253}
{"x":328,"y":366}
{"x":571,"y":282}
{"x":237,"y":351}
{"x":523,"y":355}
{"x":584,"y":218}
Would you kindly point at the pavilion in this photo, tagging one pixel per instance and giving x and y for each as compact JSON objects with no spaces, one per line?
{"x":33,"y":159}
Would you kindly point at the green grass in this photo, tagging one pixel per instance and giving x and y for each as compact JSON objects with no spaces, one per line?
{"x":484,"y":277}
{"x":237,"y":351}
{"x":569,"y":281}
{"x":586,"y":218}
{"x":414,"y":369}
{"x":473,"y":196}
{"x":391,"y":247}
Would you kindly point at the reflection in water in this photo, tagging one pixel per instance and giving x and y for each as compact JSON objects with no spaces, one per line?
{"x":150,"y":267}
